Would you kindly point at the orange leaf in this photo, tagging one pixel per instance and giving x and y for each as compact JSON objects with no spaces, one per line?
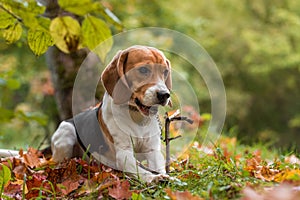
{"x":120,"y":190}
{"x":69,"y":186}
{"x":31,"y":158}
{"x":290,"y":175}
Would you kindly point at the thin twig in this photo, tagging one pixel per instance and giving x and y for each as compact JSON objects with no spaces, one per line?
{"x":11,"y":13}
{"x":169,"y":119}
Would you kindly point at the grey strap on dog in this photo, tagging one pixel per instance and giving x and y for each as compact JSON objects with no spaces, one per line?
{"x":91,"y":137}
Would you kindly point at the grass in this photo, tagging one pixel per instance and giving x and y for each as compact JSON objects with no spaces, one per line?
{"x":220,"y":175}
{"x":205,"y":176}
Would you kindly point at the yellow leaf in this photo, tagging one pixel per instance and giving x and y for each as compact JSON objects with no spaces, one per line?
{"x":39,"y":41}
{"x":290,"y":175}
{"x":12,"y":33}
{"x":66,"y":33}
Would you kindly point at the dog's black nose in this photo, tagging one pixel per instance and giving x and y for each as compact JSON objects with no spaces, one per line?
{"x":162,"y":96}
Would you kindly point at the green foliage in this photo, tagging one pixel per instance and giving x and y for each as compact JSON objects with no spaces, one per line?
{"x":78,"y":7}
{"x":24,"y":109}
{"x":13,"y":32}
{"x":25,"y":22}
{"x":6,"y":20}
{"x":96,"y":31}
{"x":63,"y":31}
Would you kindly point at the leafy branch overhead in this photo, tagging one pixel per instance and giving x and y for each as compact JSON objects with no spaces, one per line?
{"x":79,"y":24}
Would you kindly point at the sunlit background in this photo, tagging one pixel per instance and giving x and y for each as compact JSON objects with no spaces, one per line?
{"x":254,"y":44}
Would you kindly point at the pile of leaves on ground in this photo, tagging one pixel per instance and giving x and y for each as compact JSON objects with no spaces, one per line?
{"x":226,"y":171}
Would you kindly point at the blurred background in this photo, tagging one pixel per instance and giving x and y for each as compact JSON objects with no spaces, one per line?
{"x":255,"y":45}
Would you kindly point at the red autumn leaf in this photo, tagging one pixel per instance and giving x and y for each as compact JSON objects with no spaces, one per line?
{"x":120,"y":190}
{"x":70,"y":171}
{"x":69,"y":186}
{"x":178,"y":195}
{"x":13,"y":189}
{"x":54,"y":175}
{"x":37,"y":180}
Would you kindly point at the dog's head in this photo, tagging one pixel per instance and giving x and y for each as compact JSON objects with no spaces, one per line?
{"x":140,"y":76}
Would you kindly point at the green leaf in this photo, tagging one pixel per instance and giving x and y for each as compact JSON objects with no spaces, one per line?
{"x":5,"y":176}
{"x":12,"y":33}
{"x":95,"y":31}
{"x":44,"y":22}
{"x":66,"y":33}
{"x":136,"y":196}
{"x":78,"y":7}
{"x":6,"y":20}
{"x":39,"y":40}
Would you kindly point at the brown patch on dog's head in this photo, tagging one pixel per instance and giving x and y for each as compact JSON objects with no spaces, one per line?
{"x":120,"y":78}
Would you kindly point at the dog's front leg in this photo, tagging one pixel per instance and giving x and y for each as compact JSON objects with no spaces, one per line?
{"x":156,"y":161}
{"x":63,"y":141}
{"x":126,"y":161}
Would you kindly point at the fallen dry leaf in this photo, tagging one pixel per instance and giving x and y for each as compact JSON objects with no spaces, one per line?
{"x":32,"y":158}
{"x":13,"y":189}
{"x":259,"y":169}
{"x":289,"y":175}
{"x":34,"y":182}
{"x":19,"y":171}
{"x":69,"y":186}
{"x":120,"y":190}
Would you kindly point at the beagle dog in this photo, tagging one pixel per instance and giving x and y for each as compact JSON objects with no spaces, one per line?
{"x":137,"y":81}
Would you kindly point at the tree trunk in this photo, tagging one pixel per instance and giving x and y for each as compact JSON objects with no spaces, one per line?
{"x":63,"y":67}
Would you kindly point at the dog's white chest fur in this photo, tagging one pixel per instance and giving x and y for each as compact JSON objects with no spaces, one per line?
{"x":128,"y":134}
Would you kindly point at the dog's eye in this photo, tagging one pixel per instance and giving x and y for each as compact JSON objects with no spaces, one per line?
{"x":166,"y":73}
{"x":144,"y":70}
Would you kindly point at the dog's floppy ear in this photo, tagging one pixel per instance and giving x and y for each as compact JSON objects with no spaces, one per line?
{"x":113,"y":78}
{"x":169,"y":80}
